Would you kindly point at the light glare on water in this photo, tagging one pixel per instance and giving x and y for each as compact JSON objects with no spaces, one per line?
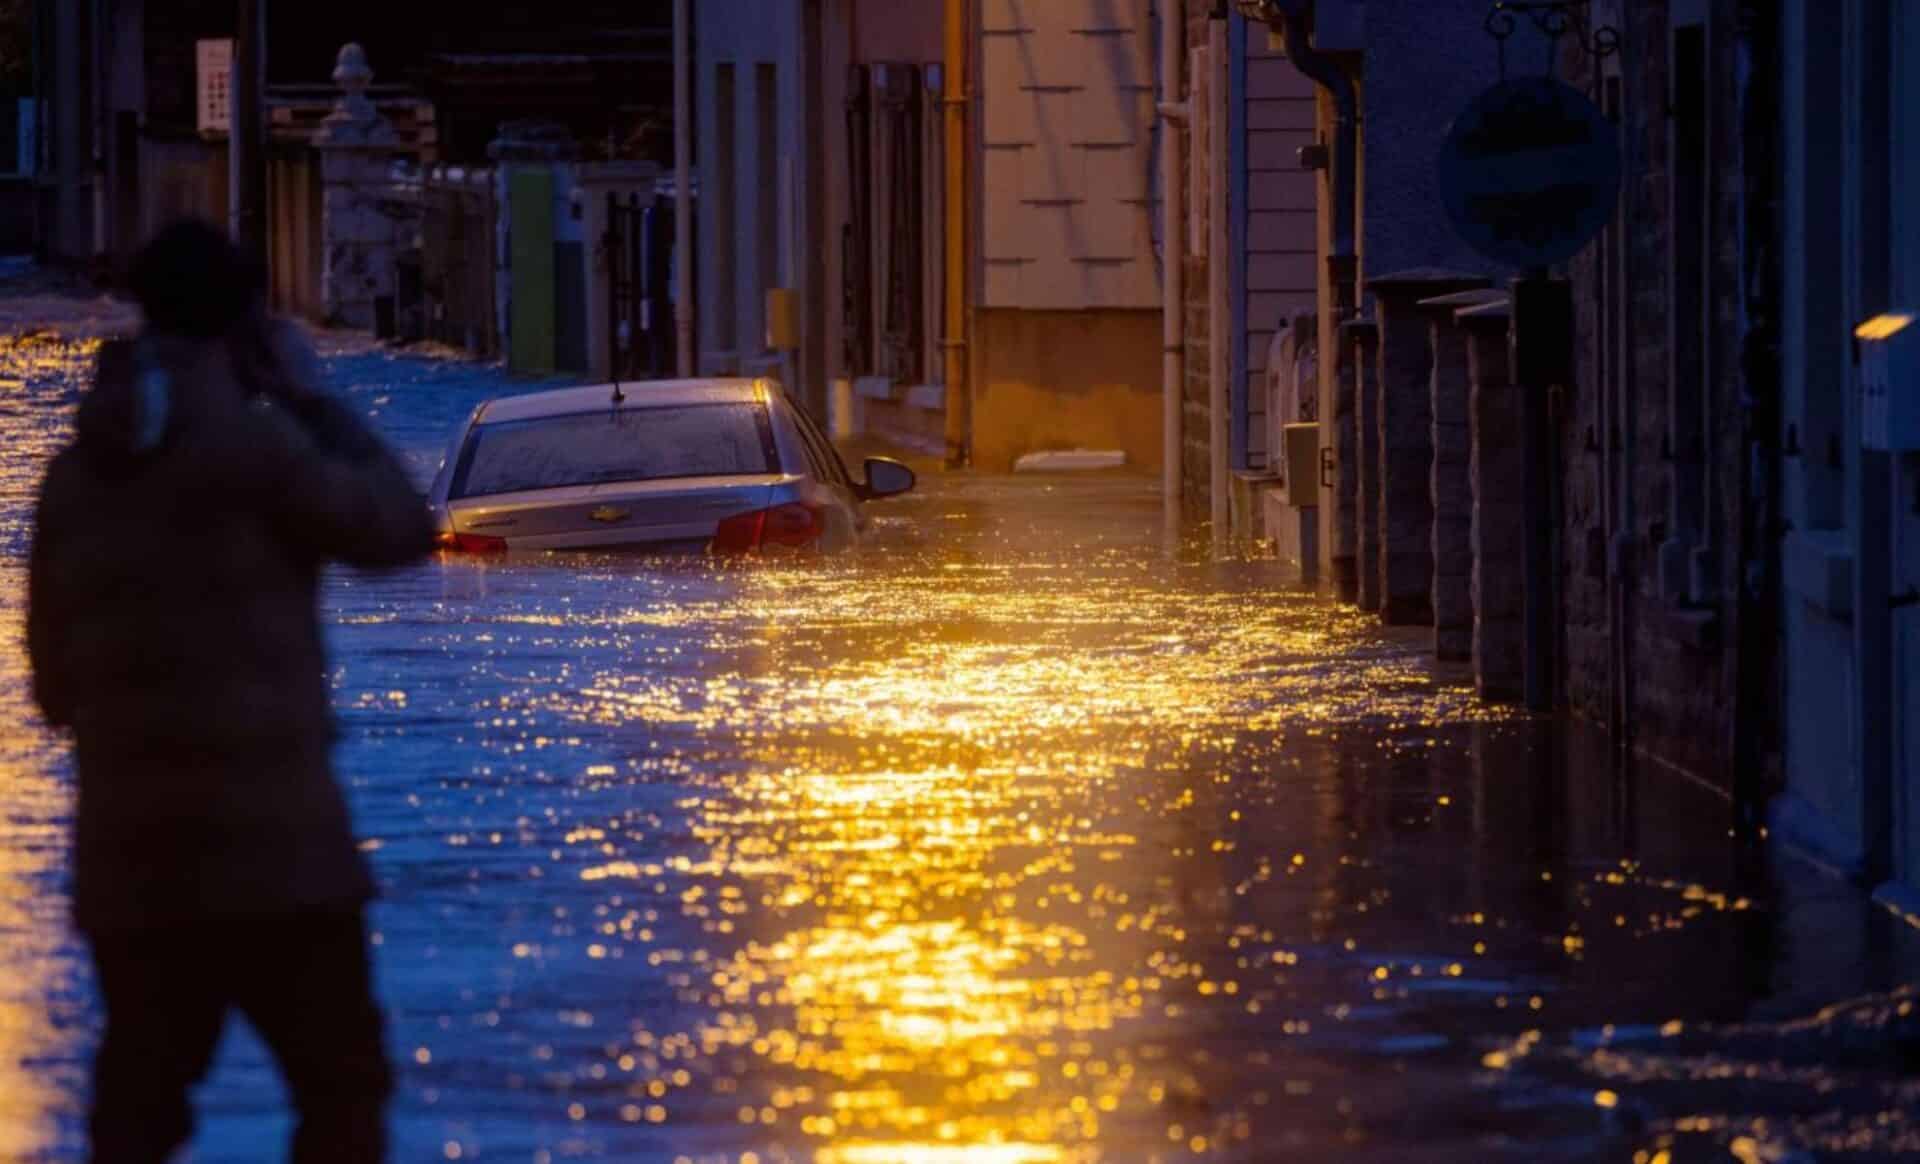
{"x":1011,"y":842}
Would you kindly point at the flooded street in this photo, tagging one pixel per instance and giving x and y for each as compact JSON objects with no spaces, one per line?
{"x":1010,"y":841}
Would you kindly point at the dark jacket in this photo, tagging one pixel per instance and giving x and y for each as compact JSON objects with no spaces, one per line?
{"x":173,"y":625}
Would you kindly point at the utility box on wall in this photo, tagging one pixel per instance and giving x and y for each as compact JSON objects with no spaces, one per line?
{"x":213,"y":86}
{"x":783,"y":320}
{"x":1890,"y":383}
{"x":1302,"y":463}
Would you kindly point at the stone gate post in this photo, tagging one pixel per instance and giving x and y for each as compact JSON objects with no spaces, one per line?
{"x":1360,"y":459}
{"x":1498,"y":474}
{"x":1404,"y":418}
{"x":1451,"y":480}
{"x":357,"y":146}
{"x":1341,"y":435}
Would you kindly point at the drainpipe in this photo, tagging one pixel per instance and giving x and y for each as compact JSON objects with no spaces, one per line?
{"x":1174,"y":115}
{"x":1219,"y":323}
{"x":683,"y":188}
{"x":959,"y":393}
{"x":1324,"y":71}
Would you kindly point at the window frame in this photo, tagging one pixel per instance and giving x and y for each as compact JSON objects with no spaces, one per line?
{"x":456,"y":484}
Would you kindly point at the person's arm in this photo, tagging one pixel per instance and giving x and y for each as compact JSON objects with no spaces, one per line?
{"x":334,"y":487}
{"x":46,"y":621}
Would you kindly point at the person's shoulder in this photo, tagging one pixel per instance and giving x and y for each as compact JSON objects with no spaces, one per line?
{"x":115,"y":367}
{"x":267,"y":434}
{"x":116,"y":356}
{"x":295,"y":350}
{"x":66,"y":476}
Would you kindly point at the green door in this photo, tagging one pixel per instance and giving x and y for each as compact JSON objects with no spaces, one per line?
{"x":531,"y":346}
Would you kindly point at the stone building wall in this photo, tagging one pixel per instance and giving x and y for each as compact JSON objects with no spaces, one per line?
{"x":1657,"y":399}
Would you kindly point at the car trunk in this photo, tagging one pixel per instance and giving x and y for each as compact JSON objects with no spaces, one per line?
{"x":678,"y":513}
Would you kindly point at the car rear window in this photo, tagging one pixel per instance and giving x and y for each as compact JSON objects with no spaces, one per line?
{"x":595,"y":448}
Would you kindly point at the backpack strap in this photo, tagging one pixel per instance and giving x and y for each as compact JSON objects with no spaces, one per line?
{"x":152,"y":399}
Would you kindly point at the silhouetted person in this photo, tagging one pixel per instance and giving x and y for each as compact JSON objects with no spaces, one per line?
{"x":173,"y":627}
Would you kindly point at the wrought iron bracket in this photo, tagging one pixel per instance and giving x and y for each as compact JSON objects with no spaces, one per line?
{"x":1556,"y":21}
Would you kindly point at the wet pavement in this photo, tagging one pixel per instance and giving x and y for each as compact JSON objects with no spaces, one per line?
{"x":1011,"y":841}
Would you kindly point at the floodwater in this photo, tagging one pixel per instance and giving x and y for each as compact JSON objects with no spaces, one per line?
{"x":1010,"y":842}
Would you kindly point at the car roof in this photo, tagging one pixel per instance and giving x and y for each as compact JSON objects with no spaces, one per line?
{"x":636,"y":395}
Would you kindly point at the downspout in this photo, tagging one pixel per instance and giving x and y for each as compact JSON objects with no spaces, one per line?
{"x":1219,"y":329}
{"x":959,"y":392}
{"x":1324,"y":71}
{"x":683,"y":305}
{"x":1174,"y":115}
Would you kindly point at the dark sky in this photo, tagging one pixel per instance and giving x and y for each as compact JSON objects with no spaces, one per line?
{"x":304,"y":36}
{"x":619,"y":102}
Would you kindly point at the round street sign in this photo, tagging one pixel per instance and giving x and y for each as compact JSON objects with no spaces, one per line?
{"x":1530,"y":172}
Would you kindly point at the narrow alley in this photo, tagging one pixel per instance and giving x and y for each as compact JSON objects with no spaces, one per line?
{"x":1009,"y":842}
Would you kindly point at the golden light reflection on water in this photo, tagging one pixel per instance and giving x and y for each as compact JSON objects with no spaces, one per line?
{"x":35,"y":1057}
{"x":1023,"y":846}
{"x":934,"y":1153}
{"x":38,"y":1057}
{"x":936,"y":932}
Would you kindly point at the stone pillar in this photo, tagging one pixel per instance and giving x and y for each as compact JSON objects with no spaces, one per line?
{"x":1497,"y":471}
{"x":1451,"y":480}
{"x":1340,"y":527}
{"x":357,"y":146}
{"x":1359,"y":355}
{"x":1404,"y":417}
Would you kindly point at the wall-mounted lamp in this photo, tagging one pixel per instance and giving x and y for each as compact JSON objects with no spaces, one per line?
{"x":1890,"y":382}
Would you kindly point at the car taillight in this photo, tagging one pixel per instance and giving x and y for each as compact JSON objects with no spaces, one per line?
{"x":795,"y":524}
{"x":466,"y":543}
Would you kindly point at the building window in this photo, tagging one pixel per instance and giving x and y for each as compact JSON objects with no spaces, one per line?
{"x":770,"y":178}
{"x":1691,"y":279}
{"x":900,"y":173}
{"x":933,"y":209}
{"x":724,"y":210}
{"x":857,"y":246}
{"x":892,"y":290}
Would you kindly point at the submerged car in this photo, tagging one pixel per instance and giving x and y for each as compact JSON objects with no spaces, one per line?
{"x":679,"y":466}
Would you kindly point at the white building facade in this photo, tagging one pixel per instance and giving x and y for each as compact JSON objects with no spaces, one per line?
{"x":758,"y":115}
{"x":1851,"y":543}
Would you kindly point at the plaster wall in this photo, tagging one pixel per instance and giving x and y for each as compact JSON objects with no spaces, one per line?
{"x":1047,"y":380}
{"x":1424,"y":61}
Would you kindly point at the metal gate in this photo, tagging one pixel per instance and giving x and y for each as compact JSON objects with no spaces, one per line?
{"x":456,"y":278}
{"x":891,"y":268}
{"x":638,"y":250}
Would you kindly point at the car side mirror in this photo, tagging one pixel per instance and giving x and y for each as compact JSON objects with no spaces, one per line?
{"x":887,"y":477}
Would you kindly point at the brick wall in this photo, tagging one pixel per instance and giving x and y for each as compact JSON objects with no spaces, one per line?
{"x":1651,"y":435}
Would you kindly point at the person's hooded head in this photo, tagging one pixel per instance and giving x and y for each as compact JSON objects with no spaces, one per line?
{"x":195,"y":287}
{"x":192,"y":281}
